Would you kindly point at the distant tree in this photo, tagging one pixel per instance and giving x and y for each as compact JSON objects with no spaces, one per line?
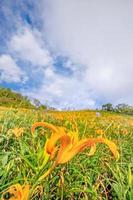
{"x":121,"y":106}
{"x":124,"y":108}
{"x":107,"y":107}
{"x":42,"y":107}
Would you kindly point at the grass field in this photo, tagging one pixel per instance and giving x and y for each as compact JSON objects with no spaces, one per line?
{"x":25,"y":164}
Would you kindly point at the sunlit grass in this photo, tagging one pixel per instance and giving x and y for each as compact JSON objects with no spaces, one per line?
{"x":23,"y":158}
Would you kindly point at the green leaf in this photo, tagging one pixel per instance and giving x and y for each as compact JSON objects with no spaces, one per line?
{"x":4,"y":160}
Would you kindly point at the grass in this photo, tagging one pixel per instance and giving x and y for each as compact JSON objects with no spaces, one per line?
{"x":99,"y":177}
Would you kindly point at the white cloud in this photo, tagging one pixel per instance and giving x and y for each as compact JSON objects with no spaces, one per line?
{"x":28,"y":46}
{"x":59,"y":90}
{"x":63,"y":92}
{"x":98,"y":35}
{"x":96,"y":39}
{"x":9,"y":71}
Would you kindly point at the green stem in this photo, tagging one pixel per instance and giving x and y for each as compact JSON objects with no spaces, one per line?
{"x":41,"y":178}
{"x":48,"y":172}
{"x":62,"y":193}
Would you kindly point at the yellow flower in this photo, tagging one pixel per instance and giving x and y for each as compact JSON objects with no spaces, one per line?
{"x":70,"y":144}
{"x":44,"y":124}
{"x":16,"y":192}
{"x":100,"y":131}
{"x":17,"y":131}
{"x":68,"y":150}
{"x":57,"y":132}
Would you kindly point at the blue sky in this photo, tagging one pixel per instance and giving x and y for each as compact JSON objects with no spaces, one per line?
{"x":70,"y":54}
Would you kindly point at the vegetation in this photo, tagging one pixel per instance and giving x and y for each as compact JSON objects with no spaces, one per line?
{"x":36,"y":164}
{"x":10,"y":98}
{"x":107,"y":107}
{"x":120,"y":108}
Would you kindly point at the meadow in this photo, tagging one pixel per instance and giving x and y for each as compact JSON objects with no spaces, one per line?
{"x":71,"y":155}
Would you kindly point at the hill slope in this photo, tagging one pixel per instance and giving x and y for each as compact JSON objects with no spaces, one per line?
{"x":10,"y":98}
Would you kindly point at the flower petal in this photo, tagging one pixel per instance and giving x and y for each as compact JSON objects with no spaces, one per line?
{"x":45,"y":125}
{"x":66,"y":154}
{"x":65,"y":142}
{"x":112,"y":146}
{"x":57,"y":132}
{"x":26,"y":189}
{"x":15,"y":191}
{"x":51,"y":142}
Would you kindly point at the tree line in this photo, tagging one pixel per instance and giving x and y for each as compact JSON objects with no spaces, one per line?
{"x":120,"y":108}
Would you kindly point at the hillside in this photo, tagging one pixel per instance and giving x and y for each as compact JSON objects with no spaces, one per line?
{"x":9,"y":98}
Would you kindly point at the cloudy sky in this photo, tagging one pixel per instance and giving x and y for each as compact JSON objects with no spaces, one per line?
{"x":74,"y":53}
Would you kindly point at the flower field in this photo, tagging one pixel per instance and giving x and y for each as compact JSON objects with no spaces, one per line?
{"x":65,"y":155}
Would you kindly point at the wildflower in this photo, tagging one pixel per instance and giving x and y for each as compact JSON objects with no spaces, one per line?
{"x":16,"y":192}
{"x":57,"y":132}
{"x":70,"y":144}
{"x":17,"y":131}
{"x":100,"y":131}
{"x":44,"y":124}
{"x":68,"y":149}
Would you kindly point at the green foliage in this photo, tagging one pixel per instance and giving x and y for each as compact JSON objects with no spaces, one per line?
{"x":124,"y":108}
{"x":9,"y":98}
{"x":12,"y":99}
{"x":108,"y":107}
{"x":120,"y":108}
{"x":95,"y":178}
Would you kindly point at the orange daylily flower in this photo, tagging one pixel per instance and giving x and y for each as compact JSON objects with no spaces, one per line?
{"x":16,"y":192}
{"x":45,"y":125}
{"x":70,"y":144}
{"x":57,"y":133}
{"x":68,"y":151}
